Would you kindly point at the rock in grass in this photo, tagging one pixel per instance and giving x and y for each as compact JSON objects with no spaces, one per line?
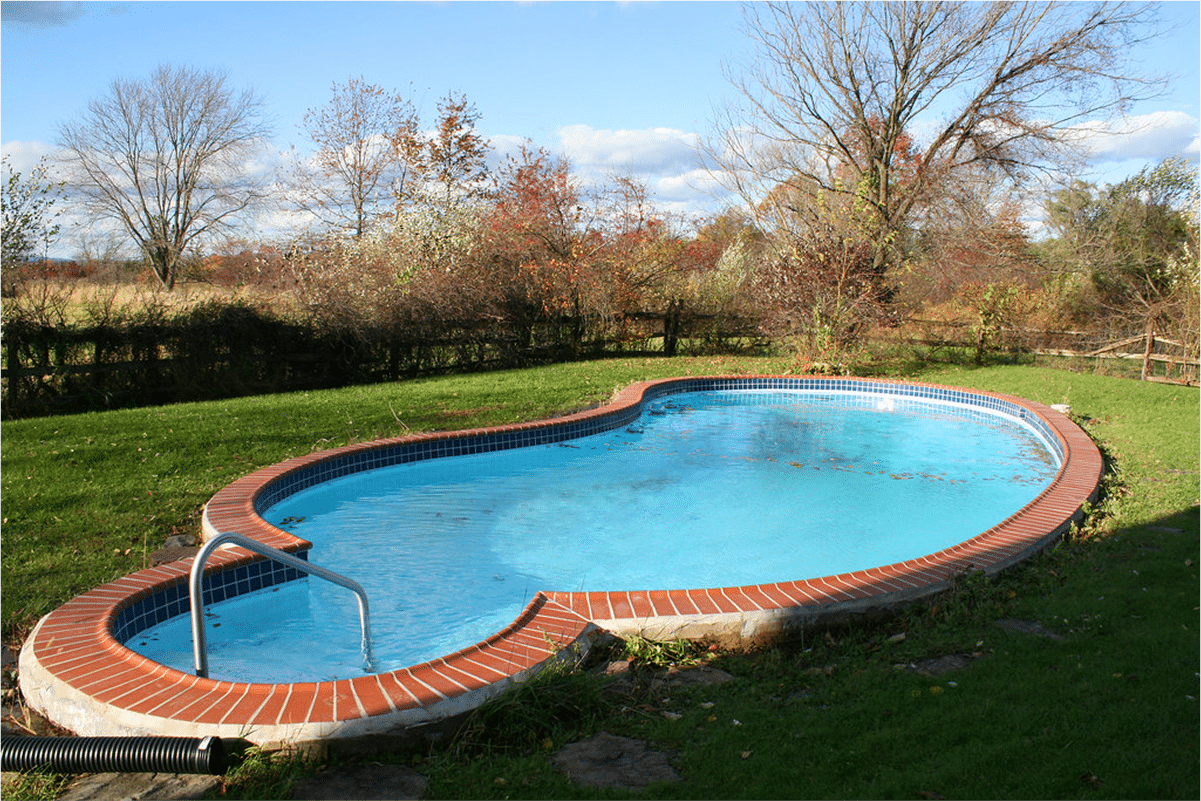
{"x":1029,"y":627}
{"x":691,"y":676}
{"x":606,"y":760}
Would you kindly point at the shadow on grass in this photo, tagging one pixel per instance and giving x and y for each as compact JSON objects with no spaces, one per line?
{"x":1072,"y":675}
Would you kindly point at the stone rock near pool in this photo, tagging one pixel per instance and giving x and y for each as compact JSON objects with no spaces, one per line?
{"x":606,"y":760}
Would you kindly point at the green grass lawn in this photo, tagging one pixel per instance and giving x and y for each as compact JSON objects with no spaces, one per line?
{"x":1109,"y":711}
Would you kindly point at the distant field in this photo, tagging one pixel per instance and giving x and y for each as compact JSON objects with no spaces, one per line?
{"x":83,"y":301}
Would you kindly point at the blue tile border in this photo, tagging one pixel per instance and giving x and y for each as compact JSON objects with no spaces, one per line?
{"x":401,"y":453}
{"x":262,"y":573}
{"x":219,"y":585}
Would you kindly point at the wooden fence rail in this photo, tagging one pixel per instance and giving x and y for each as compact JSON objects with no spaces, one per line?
{"x":1148,"y":347}
{"x":48,"y":370}
{"x":1187,"y":363}
{"x":60,"y":370}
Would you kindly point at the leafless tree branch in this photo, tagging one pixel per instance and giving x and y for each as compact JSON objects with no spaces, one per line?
{"x":167,"y":159}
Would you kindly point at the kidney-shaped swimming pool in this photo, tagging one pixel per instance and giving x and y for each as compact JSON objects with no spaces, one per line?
{"x":704,"y":489}
{"x":731,"y":508}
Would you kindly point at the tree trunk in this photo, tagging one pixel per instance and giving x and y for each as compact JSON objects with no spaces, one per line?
{"x":671,"y":327}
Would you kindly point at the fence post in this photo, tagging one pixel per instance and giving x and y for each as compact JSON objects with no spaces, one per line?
{"x":1147,"y":352}
{"x":13,"y":359}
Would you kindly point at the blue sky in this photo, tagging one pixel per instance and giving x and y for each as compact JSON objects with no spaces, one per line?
{"x":614,"y":86}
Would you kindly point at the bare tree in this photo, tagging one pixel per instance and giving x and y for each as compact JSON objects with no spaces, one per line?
{"x":167,"y":159}
{"x":837,"y":91}
{"x":363,"y":137}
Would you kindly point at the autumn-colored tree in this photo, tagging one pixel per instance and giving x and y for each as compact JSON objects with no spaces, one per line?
{"x":989,"y":244}
{"x":540,"y":246}
{"x":414,"y":268}
{"x":822,"y":291}
{"x":29,"y":219}
{"x":244,"y":265}
{"x":359,"y":165}
{"x":824,"y":278}
{"x":640,"y":253}
{"x":583,"y":261}
{"x":726,"y":227}
{"x":1133,"y":247}
{"x":980,"y":270}
{"x":727,"y":247}
{"x":818,"y":281}
{"x":654,"y":267}
{"x":451,"y":163}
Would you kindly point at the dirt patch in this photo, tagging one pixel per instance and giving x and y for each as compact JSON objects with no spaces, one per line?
{"x":691,"y":676}
{"x":938,"y":665}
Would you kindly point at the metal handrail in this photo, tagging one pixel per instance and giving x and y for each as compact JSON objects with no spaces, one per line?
{"x":195,"y":591}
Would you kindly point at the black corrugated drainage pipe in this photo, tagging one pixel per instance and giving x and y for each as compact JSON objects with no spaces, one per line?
{"x":114,"y":754}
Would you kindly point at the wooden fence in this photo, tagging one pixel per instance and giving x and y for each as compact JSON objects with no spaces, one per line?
{"x":56,"y":370}
{"x":1177,"y":362}
{"x":1181,"y":365}
{"x":236,"y":351}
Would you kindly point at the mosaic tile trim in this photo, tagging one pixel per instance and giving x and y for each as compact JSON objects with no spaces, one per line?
{"x":217,"y":586}
{"x":370,"y":456}
{"x":393,"y":453}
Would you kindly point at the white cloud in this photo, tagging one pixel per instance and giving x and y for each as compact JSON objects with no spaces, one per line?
{"x":688,"y":185}
{"x":24,"y":156}
{"x":1154,"y":136}
{"x":655,"y":151}
{"x":504,"y":146}
{"x":666,"y":160}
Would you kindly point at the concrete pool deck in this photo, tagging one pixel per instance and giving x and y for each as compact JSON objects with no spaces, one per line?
{"x":75,"y":670}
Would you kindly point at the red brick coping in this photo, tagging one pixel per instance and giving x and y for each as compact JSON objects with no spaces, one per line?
{"x":74,"y":669}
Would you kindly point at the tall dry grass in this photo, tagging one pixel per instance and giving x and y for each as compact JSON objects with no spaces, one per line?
{"x":67,"y":301}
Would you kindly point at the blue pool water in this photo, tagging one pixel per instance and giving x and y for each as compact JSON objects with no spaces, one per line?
{"x":704,"y":490}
